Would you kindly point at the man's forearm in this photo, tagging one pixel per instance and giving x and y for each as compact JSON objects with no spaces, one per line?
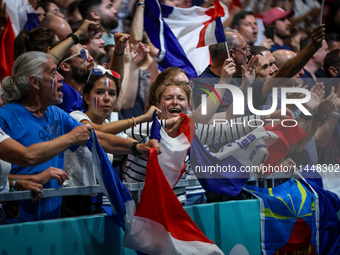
{"x":289,"y":69}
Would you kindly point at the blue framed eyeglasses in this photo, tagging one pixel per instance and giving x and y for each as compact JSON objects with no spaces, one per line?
{"x":83,"y":53}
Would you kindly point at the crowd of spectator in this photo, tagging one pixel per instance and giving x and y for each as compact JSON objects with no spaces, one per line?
{"x":90,"y":65}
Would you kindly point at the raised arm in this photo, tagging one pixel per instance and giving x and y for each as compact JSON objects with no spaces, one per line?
{"x":58,"y":52}
{"x":228,"y":69}
{"x":117,"y":61}
{"x":294,"y":65}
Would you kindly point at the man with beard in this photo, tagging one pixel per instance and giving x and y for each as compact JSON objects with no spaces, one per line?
{"x":103,"y":12}
{"x":75,"y":68}
{"x":278,"y":27}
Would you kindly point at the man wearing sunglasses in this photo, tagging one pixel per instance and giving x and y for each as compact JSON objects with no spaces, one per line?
{"x":75,"y":67}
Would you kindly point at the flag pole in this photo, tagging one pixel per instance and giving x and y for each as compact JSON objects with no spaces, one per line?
{"x":226,"y":47}
{"x":323,"y":3}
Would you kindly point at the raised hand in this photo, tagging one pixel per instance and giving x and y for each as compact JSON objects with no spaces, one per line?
{"x":86,"y":29}
{"x":228,"y":70}
{"x":138,"y":53}
{"x":121,"y":41}
{"x":248,"y":73}
{"x":318,"y":34}
{"x":328,"y":104}
{"x":317,"y":94}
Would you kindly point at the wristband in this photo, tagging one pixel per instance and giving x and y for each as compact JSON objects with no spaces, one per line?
{"x":134,"y":148}
{"x":14,"y":185}
{"x":141,"y":4}
{"x":335,"y":114}
{"x":74,"y":37}
{"x":134,"y":121}
{"x":128,"y":123}
{"x":130,"y":149}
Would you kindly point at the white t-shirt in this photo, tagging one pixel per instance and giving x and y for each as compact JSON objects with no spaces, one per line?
{"x":5,"y":167}
{"x":78,"y":165}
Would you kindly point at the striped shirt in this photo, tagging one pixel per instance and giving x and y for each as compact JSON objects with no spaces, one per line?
{"x":208,"y":134}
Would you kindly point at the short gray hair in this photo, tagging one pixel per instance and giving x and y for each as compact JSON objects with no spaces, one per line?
{"x":218,"y":51}
{"x":28,"y":64}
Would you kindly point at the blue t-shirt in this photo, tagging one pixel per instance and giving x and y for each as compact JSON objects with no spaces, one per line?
{"x":72,"y":100}
{"x":276,"y":47}
{"x":21,"y":125}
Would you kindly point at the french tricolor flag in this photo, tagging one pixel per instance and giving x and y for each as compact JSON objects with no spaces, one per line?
{"x":174,"y":150}
{"x":160,"y":224}
{"x":96,"y":102}
{"x":22,"y":15}
{"x":122,"y":205}
{"x":181,"y":33}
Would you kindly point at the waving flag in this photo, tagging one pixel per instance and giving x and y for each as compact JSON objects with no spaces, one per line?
{"x":178,"y":32}
{"x":7,"y":50}
{"x":160,"y":224}
{"x":22,"y":14}
{"x":174,"y":152}
{"x":122,"y":205}
{"x":287,"y":219}
{"x":226,"y":171}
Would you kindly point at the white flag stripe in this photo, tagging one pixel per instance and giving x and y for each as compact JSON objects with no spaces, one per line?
{"x":160,"y":242}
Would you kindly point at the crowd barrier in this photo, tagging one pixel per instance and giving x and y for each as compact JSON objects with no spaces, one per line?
{"x":234,"y":226}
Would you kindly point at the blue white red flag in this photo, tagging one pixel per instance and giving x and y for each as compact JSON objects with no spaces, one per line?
{"x":174,"y":150}
{"x":22,"y":15}
{"x":7,"y":50}
{"x":180,"y":34}
{"x":226,"y":171}
{"x":160,"y":224}
{"x":122,"y":205}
